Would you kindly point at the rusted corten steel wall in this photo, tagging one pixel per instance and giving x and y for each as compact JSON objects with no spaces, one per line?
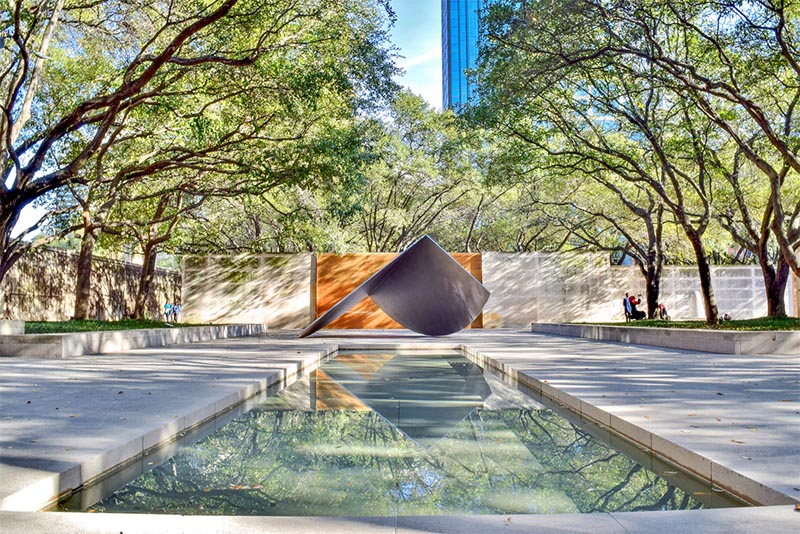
{"x":338,"y":275}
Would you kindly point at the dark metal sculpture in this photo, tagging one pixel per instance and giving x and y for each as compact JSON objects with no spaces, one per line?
{"x":423,"y":288}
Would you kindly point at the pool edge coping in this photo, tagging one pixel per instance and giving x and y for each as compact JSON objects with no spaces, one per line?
{"x":707,"y":470}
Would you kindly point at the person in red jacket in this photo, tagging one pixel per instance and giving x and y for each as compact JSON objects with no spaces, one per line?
{"x":635,"y":313}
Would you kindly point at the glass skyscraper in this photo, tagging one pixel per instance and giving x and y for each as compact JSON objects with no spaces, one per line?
{"x":459,"y":49}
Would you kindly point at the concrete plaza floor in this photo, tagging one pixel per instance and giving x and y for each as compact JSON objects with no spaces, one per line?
{"x":65,"y":421}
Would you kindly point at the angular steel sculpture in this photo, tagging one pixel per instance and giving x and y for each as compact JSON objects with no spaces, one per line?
{"x":423,"y":288}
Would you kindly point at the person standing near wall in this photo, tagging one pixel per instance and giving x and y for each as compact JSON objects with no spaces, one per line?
{"x":626,"y":303}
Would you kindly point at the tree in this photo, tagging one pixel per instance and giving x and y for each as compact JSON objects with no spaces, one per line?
{"x":630,"y":222}
{"x":509,"y":213}
{"x":419,"y":171}
{"x":747,"y":213}
{"x":733,"y":63}
{"x":119,"y":67}
{"x":568,"y":69}
{"x":45,"y":154}
{"x":738,"y":62}
{"x":309,"y":213}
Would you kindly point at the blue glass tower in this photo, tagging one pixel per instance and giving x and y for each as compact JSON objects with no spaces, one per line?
{"x":459,"y":49}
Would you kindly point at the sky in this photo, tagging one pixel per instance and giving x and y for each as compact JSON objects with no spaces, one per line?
{"x":417,"y":35}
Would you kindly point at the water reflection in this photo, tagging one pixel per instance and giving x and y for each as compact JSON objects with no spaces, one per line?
{"x":424,"y":397}
{"x":380,"y":435}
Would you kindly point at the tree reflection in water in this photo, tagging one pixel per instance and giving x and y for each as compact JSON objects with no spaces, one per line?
{"x":354,"y":462}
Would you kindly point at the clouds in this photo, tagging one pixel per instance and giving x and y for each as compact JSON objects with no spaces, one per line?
{"x":423,"y":75}
{"x":418,"y":36}
{"x":433,"y":55}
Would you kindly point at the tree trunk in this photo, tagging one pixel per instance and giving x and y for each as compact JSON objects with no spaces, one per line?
{"x":145,"y":282}
{"x":5,"y":265}
{"x":704,"y":270}
{"x":473,"y":222}
{"x":653,"y":289}
{"x":83,"y":283}
{"x":775,"y":280}
{"x":38,"y":66}
{"x":10,"y":250}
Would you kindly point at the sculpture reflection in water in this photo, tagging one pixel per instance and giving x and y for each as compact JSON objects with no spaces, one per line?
{"x":383,"y":435}
{"x":423,"y":288}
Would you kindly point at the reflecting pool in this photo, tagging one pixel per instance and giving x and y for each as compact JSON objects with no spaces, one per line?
{"x":374,"y":434}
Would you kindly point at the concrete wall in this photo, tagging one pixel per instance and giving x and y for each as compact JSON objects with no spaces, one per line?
{"x":79,"y":343}
{"x":280,"y":290}
{"x":269,"y":289}
{"x":41,"y":287}
{"x":739,"y":291}
{"x":538,"y":287}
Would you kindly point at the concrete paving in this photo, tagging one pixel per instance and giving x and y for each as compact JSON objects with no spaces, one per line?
{"x":65,"y":422}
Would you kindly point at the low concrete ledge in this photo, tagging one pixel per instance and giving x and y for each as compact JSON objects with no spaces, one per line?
{"x":79,"y":343}
{"x":719,"y":341}
{"x":10,"y":327}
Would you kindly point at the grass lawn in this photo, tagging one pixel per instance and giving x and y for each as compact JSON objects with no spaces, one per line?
{"x":762,"y":323}
{"x":62,"y":327}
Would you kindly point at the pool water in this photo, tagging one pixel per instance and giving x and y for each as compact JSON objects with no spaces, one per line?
{"x":376,"y":434}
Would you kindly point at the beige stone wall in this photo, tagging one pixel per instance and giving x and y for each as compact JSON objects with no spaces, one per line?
{"x":514,"y":288}
{"x":279,"y":290}
{"x":275,"y":290}
{"x":41,"y":287}
{"x":539,"y":287}
{"x":739,"y":291}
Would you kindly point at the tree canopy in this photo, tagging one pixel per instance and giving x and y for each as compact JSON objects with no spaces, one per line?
{"x":688,"y":100}
{"x":134,"y":100}
{"x":660,"y":131}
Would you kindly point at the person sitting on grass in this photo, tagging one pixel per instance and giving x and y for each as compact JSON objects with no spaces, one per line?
{"x":636,"y":314}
